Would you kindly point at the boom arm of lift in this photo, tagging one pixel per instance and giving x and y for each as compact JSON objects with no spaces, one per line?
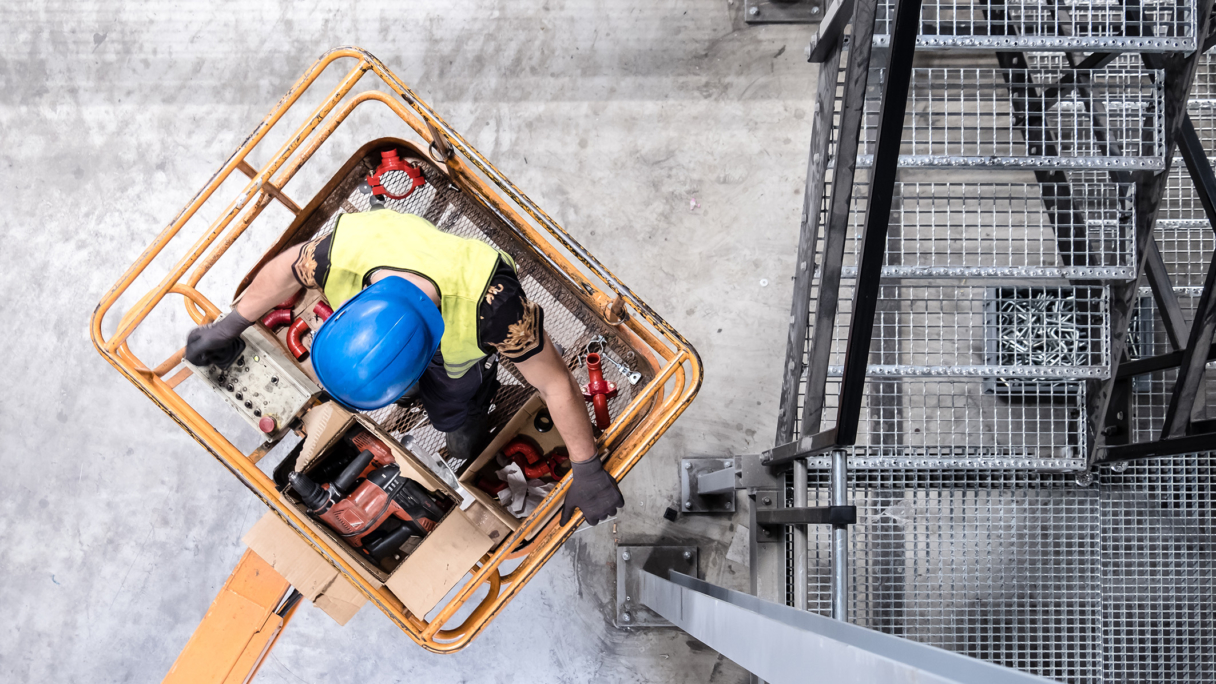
{"x":240,"y":627}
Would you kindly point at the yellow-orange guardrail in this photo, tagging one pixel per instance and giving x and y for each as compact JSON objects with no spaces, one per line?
{"x":676,"y":365}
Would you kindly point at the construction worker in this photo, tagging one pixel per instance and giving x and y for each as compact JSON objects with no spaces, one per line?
{"x":417,"y":312}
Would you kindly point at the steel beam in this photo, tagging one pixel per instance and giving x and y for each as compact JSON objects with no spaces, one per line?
{"x":1173,"y":446}
{"x":783,"y":645}
{"x":1158,"y":277}
{"x":878,"y":212}
{"x":816,"y":515}
{"x":1179,"y":70}
{"x":1156,"y":363}
{"x":808,"y":235}
{"x":836,"y":236}
{"x":1195,"y":355}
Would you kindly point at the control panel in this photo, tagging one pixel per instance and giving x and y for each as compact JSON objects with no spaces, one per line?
{"x":262,"y":385}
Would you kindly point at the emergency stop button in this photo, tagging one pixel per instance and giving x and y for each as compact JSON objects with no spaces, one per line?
{"x":266,"y":424}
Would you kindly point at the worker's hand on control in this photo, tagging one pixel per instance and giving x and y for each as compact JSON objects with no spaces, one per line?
{"x":217,"y":343}
{"x":592,"y":491}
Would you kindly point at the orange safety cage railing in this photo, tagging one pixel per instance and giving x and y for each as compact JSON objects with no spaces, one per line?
{"x":676,"y":367}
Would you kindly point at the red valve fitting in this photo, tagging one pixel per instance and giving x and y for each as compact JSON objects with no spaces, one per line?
{"x":277,"y":318}
{"x":322,"y":310}
{"x":389,"y":161}
{"x":295,"y":340}
{"x":598,"y":391}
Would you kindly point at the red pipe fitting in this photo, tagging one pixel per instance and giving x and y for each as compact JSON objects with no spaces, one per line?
{"x":598,"y":391}
{"x":322,"y":310}
{"x":525,"y":448}
{"x":295,"y":340}
{"x":390,"y":162}
{"x":277,"y":318}
{"x":491,"y":486}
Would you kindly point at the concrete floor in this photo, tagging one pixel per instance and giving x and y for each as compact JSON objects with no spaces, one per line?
{"x":668,"y":137}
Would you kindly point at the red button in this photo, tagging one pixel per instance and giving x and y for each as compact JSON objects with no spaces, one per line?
{"x":266,"y":424}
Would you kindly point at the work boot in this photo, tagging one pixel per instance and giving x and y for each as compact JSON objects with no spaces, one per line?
{"x":466,"y":442}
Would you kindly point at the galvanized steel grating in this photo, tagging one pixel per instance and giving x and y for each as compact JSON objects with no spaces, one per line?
{"x":1022,"y":25}
{"x":1004,"y":230}
{"x":1002,"y":565}
{"x":1012,"y":118}
{"x":961,"y":423}
{"x":926,"y":329}
{"x":1158,"y":571}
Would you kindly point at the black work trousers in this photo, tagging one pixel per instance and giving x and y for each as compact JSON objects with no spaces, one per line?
{"x":447,"y":400}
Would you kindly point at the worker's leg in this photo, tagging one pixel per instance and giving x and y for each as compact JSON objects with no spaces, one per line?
{"x":458,"y":406}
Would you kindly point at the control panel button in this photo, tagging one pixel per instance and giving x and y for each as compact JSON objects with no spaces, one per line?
{"x":266,"y":425}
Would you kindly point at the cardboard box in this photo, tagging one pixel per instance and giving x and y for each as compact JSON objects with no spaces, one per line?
{"x":443,"y":556}
{"x":522,"y":423}
{"x":313,"y":576}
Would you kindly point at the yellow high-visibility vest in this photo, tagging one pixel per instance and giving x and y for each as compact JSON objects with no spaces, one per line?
{"x":459,"y":268}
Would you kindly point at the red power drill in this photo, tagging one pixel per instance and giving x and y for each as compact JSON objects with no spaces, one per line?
{"x":376,"y":514}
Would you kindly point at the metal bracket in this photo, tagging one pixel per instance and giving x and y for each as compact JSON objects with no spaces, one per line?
{"x":813,"y":515}
{"x":631,"y":562}
{"x":707,"y":485}
{"x":783,"y":11}
{"x":765,"y":501}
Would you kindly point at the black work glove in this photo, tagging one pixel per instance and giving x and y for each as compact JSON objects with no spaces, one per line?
{"x":593,"y":492}
{"x":217,"y":343}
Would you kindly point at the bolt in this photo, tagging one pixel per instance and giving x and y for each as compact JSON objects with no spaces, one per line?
{"x":625,"y":556}
{"x":688,"y":555}
{"x":1085,"y":479}
{"x":1118,"y":466}
{"x":687,"y":504}
{"x":687,"y":465}
{"x":728,"y":463}
{"x":730,"y":505}
{"x":626,"y":617}
{"x":815,"y":10}
{"x":768,"y":501}
{"x":628,"y":598}
{"x":754,"y":11}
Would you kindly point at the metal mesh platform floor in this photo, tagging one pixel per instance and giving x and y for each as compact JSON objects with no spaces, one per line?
{"x":568,"y":322}
{"x":1156,"y":25}
{"x":1113,"y":582}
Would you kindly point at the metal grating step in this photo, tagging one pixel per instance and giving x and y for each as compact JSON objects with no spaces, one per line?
{"x":1022,"y":25}
{"x":983,"y":117}
{"x":964,"y":424}
{"x":1004,"y":230}
{"x":999,"y":332}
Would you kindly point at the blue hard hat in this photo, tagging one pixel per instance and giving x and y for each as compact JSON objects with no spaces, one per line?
{"x":377,"y":344}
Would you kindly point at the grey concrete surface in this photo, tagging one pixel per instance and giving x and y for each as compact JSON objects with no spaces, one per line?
{"x":668,"y":137}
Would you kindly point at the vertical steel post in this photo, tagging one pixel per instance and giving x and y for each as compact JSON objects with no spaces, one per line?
{"x":840,"y":537}
{"x":801,"y":558}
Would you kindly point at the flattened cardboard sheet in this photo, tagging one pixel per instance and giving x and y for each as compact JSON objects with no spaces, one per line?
{"x":440,"y":561}
{"x":306,"y":570}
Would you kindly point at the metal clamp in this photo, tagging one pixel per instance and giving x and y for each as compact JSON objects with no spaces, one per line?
{"x":599,"y":345}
